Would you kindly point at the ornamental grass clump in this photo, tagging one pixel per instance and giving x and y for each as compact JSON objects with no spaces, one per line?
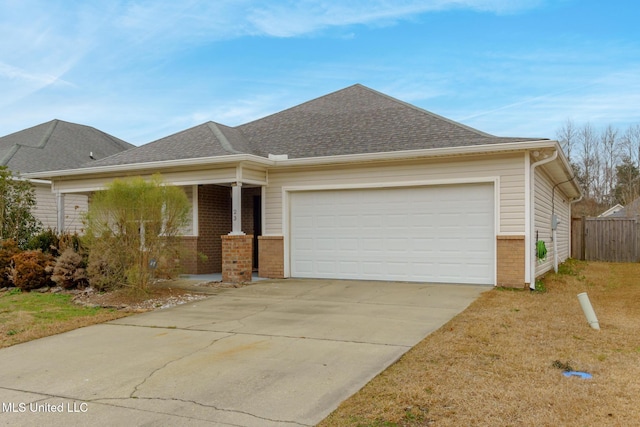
{"x":132,"y":225}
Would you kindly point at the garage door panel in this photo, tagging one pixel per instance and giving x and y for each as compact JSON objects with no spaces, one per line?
{"x":437,"y":234}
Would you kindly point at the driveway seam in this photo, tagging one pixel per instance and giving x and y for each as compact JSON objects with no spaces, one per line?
{"x":204,"y":405}
{"x":260,"y":335}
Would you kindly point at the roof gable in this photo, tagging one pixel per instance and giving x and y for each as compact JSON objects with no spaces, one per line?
{"x":56,"y":145}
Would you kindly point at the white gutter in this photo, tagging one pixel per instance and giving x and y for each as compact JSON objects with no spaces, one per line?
{"x":36,"y":181}
{"x":305,"y":161}
{"x":233,"y":158}
{"x":410,"y":154}
{"x":532,"y":216}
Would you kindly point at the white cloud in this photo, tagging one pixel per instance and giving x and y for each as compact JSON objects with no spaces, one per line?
{"x":14,"y":73}
{"x":608,"y":100}
{"x":223,"y":19}
{"x":294,"y":18}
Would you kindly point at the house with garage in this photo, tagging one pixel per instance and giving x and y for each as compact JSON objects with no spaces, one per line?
{"x":56,"y":145}
{"x":358,"y":185}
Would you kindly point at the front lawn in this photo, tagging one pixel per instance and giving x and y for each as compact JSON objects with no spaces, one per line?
{"x":25,"y":316}
{"x":501,"y":362}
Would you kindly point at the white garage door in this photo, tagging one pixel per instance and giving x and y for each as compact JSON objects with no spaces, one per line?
{"x":426,"y":234}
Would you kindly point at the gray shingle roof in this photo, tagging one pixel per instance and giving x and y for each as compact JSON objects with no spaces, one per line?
{"x":56,"y":145}
{"x":358,"y":120}
{"x":350,"y":121}
{"x":205,"y":140}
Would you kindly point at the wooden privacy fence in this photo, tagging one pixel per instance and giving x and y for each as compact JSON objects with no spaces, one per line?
{"x":605,"y":239}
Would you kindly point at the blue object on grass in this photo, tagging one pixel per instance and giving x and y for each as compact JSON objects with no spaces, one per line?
{"x":583,"y":375}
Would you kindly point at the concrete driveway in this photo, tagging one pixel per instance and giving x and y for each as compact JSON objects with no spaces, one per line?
{"x":277,"y":353}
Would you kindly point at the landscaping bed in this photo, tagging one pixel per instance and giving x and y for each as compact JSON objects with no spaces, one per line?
{"x":25,"y":316}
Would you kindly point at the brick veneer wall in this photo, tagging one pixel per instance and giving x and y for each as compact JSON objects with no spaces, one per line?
{"x":511,"y":262}
{"x":237,"y":258}
{"x":214,"y":220}
{"x":271,"y":256}
{"x":214,"y":217}
{"x":188,"y":256}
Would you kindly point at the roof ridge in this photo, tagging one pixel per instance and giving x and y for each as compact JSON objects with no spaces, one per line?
{"x":17,"y":146}
{"x":47,"y":134}
{"x":213,"y":127}
{"x":7,"y":157}
{"x":114,"y":139}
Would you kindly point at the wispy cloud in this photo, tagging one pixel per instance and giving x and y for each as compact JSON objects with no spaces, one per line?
{"x":152,"y":67}
{"x":608,"y":100}
{"x":14,"y":73}
{"x":224,"y":19}
{"x":294,"y":18}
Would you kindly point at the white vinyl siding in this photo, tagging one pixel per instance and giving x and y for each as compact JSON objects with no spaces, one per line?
{"x":547,"y":201}
{"x":509,"y":169}
{"x":254,"y":176}
{"x":188,"y":229}
{"x":46,"y":210}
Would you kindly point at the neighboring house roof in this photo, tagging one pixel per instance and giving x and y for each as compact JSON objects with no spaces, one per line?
{"x":612,"y":210}
{"x":56,"y":145}
{"x":354,"y":120}
{"x":631,"y":210}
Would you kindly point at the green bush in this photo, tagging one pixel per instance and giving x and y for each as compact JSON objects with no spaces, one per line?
{"x":46,"y":241}
{"x":31,"y":270}
{"x":17,"y":200}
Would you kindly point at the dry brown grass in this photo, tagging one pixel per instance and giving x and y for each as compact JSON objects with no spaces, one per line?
{"x":493,"y":365}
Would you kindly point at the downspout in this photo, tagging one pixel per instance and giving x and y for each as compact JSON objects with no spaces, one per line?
{"x":532,"y":215}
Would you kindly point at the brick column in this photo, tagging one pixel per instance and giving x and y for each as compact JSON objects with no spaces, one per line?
{"x":511,"y":261}
{"x":271,"y":257}
{"x":237,"y":258}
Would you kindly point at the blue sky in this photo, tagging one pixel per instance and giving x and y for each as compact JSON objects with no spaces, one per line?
{"x":141,"y":70}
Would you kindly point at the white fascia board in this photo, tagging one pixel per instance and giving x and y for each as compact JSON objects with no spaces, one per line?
{"x":309,"y":161}
{"x":34,"y":181}
{"x":165,"y":164}
{"x":422,"y":153}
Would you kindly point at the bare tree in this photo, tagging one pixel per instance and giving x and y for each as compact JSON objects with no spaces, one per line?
{"x":631,"y":144}
{"x":567,"y":136}
{"x":589,"y":162}
{"x":610,"y":145}
{"x":606,"y":163}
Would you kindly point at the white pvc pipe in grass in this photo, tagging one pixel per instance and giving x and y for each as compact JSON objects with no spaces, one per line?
{"x":588,"y":310}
